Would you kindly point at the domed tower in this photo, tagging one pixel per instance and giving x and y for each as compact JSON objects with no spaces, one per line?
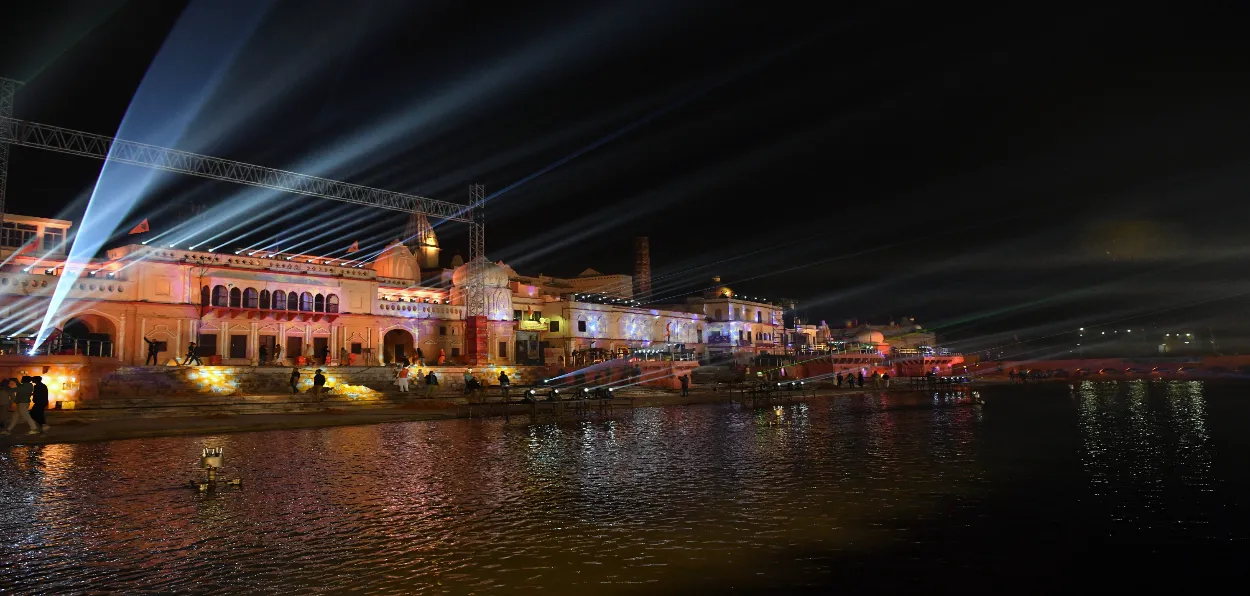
{"x":420,"y":239}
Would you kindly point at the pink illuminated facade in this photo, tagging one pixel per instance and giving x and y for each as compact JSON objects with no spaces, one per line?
{"x":394,"y":307}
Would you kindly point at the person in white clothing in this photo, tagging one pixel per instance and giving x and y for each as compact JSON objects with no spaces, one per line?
{"x":21,"y":397}
{"x":402,"y":378}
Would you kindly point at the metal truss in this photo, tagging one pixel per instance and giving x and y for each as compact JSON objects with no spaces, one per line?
{"x":475,"y":289}
{"x":64,"y":140}
{"x":8,"y":87}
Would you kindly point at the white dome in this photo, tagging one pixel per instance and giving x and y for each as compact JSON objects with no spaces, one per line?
{"x":496,"y":276}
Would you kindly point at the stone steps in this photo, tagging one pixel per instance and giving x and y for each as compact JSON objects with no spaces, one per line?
{"x":192,"y":405}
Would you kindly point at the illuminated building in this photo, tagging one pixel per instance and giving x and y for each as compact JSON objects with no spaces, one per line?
{"x":232,"y":304}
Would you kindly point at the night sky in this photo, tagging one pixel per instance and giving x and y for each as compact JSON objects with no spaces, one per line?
{"x":997,"y":175}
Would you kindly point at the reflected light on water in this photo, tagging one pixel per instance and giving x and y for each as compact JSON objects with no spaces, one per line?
{"x":679,"y":499}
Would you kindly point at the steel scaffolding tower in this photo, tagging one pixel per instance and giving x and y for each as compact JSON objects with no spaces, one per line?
{"x":8,"y":88}
{"x":475,"y":292}
{"x":63,"y":140}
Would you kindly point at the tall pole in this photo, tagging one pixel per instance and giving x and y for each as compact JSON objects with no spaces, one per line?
{"x":8,"y":87}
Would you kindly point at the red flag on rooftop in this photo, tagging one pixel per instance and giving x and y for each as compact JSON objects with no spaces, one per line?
{"x":354,"y":247}
{"x":141,"y":228}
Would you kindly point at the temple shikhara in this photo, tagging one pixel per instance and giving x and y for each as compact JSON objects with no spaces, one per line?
{"x":406,"y":303}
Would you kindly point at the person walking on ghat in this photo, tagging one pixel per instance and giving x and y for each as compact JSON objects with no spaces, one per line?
{"x":504,"y":383}
{"x":839,"y":380}
{"x":264,"y":355}
{"x":308,"y":353}
{"x":342,"y":356}
{"x":21,"y":400}
{"x":685,"y":384}
{"x":294,"y":380}
{"x":191,"y":355}
{"x":319,"y":381}
{"x":152,"y":352}
{"x":861,"y":378}
{"x":8,"y":396}
{"x":277,"y":354}
{"x":39,"y":403}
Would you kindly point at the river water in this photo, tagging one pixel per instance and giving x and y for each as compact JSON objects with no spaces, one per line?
{"x":1042,"y":488}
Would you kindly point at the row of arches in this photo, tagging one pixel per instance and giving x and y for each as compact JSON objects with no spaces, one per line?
{"x":278,"y":300}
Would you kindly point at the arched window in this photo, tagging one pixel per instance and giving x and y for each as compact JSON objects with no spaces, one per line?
{"x":292,"y":301}
{"x":264,"y":299}
{"x":204,"y":292}
{"x":319,"y":303}
{"x":279,"y":300}
{"x":236,"y":298}
{"x":332,"y":303}
{"x":221,"y":297}
{"x":306,"y":302}
{"x":250,"y":298}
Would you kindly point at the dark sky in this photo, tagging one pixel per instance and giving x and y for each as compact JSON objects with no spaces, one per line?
{"x":993,"y":174}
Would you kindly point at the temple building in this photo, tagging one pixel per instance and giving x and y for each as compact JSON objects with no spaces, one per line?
{"x":402,"y":305}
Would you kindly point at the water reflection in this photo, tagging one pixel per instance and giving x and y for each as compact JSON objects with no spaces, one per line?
{"x":1147,"y":456}
{"x":673,"y":499}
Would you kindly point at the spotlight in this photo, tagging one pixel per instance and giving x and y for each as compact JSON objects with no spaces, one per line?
{"x":89,"y":273}
{"x":110,"y":275}
{"x":585,"y":392}
{"x":530,"y":393}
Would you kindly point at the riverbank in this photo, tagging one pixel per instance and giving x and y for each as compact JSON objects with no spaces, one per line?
{"x":82,"y":427}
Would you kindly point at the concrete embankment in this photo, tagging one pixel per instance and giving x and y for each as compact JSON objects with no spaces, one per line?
{"x":166,"y":419}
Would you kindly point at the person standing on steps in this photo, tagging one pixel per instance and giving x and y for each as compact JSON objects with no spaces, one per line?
{"x":39,"y":403}
{"x":319,"y":382}
{"x":402,"y":378}
{"x":504,"y":383}
{"x":685,"y":384}
{"x":277,"y":355}
{"x":294,"y":380}
{"x":264,"y":355}
{"x":152,"y":347}
{"x":431,"y":381}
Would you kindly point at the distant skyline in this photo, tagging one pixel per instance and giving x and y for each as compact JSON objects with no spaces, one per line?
{"x":990,"y":173}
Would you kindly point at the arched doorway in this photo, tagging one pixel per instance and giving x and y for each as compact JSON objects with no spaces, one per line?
{"x":89,"y":334}
{"x":397,"y":344}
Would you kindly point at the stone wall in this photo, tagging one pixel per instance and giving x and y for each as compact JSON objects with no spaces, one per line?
{"x":138,"y":381}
